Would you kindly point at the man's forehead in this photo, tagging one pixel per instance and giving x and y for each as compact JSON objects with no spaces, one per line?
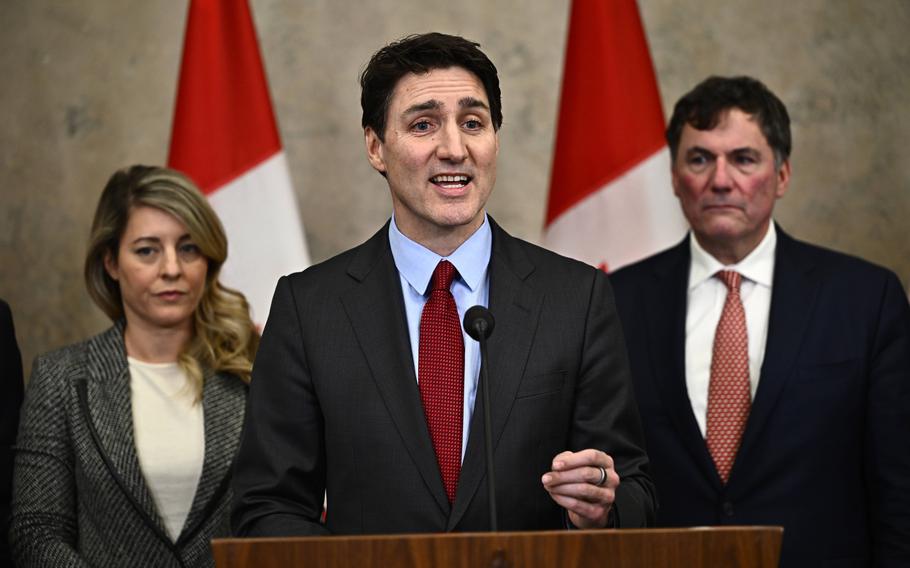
{"x":438,"y":84}
{"x":732,"y":124}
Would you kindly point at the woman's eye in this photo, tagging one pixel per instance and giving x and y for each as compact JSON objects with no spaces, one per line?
{"x":189,"y":250}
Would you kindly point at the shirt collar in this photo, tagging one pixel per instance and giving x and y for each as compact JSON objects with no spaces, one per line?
{"x":416,"y":263}
{"x":758,"y":266}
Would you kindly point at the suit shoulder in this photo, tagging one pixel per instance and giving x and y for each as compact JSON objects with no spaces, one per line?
{"x":65,"y":364}
{"x":65,"y":356}
{"x":554,"y":266}
{"x":327,"y":270}
{"x":633,"y":274}
{"x":837,"y":264}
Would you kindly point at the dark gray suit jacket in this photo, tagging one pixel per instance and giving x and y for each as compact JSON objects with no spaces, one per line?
{"x":79,"y":496}
{"x":826,"y":450}
{"x":11,"y":388}
{"x":335,"y":406}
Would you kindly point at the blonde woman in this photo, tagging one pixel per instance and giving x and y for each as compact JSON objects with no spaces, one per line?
{"x":124,"y":453}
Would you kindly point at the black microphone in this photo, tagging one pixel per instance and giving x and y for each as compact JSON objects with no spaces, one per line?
{"x":479,"y":322}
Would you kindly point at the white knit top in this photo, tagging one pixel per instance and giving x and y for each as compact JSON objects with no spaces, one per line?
{"x":169,"y":432}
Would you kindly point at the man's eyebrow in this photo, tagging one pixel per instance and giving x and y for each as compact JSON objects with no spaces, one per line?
{"x":745,"y":150}
{"x":431,"y":104}
{"x":471,"y":102}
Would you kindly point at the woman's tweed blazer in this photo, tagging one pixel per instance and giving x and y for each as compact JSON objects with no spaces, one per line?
{"x":79,"y":495}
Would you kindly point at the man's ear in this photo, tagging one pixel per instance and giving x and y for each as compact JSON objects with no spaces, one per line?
{"x":110,"y":265}
{"x":374,"y":149}
{"x":674,"y":178}
{"x":783,"y":179}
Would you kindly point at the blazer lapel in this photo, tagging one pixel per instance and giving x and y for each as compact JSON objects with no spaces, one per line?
{"x":516,"y":307}
{"x":793,"y":296}
{"x":110,"y":411}
{"x":376,"y":311}
{"x":223,"y":405}
{"x":666,"y":316}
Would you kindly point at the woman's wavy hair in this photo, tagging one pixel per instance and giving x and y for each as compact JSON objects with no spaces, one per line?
{"x":224,"y":338}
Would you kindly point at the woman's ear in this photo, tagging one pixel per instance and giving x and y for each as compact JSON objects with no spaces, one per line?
{"x":110,"y":265}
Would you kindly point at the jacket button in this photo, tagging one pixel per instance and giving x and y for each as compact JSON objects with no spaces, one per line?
{"x":728,"y":508}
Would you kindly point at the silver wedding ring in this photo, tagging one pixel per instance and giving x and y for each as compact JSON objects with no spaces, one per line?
{"x":603,"y":476}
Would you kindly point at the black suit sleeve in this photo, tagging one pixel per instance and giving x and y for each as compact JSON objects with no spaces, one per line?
{"x":887,"y":459}
{"x":11,"y":386}
{"x":606,"y":415}
{"x":279,"y":475}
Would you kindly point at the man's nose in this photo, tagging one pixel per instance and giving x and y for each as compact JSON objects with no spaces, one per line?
{"x":722,"y":179}
{"x":451,"y":144}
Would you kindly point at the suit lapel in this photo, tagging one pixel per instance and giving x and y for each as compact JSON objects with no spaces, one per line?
{"x":516,"y":308}
{"x":666,"y":316}
{"x":375,"y":309}
{"x":111,"y":414}
{"x":793,"y":296}
{"x":223,"y":402}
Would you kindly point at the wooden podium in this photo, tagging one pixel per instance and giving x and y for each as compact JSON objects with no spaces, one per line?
{"x":726,"y":547}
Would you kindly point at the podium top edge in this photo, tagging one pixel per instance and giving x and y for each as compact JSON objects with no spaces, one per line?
{"x":755,"y":529}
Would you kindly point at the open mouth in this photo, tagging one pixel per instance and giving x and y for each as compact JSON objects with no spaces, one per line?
{"x":456,"y":181}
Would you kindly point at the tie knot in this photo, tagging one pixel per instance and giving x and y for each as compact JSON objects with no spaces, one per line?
{"x":443,"y":275}
{"x":730,"y":278}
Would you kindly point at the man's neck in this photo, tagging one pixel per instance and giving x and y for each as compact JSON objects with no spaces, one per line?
{"x":442,"y":240}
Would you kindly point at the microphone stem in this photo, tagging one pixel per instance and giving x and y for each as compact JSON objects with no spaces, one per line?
{"x":487,"y":434}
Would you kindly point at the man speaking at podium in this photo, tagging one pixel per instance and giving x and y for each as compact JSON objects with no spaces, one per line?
{"x":364,"y":385}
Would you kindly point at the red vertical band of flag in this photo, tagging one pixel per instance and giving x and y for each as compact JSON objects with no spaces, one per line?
{"x":610,"y":134}
{"x":226,"y":139}
{"x":610,"y":115}
{"x":223,"y":120}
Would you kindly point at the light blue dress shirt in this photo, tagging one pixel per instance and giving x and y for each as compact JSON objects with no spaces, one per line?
{"x":415,"y":264}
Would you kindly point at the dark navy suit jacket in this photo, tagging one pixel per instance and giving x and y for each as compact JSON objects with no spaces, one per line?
{"x":826,"y":450}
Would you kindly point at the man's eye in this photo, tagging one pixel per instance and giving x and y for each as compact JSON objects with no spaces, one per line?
{"x":745,"y":160}
{"x":422,"y":126}
{"x":698,"y":160}
{"x":473,"y":124}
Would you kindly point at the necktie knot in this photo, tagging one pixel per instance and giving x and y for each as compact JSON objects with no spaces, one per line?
{"x":443,"y":276}
{"x":731,"y":279}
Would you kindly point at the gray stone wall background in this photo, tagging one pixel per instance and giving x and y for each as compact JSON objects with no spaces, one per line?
{"x":89,"y":87}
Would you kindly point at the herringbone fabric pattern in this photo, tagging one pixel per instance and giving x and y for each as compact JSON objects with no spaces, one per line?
{"x":441,"y":374}
{"x":79,"y":497}
{"x":729,"y":397}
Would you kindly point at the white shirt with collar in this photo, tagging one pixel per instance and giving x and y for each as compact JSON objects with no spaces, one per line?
{"x":706,"y":297}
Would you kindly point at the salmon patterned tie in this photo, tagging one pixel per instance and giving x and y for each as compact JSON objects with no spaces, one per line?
{"x":729,"y":397}
{"x":441,"y":374}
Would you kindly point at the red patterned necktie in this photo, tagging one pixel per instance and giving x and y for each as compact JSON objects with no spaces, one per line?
{"x":441,"y":374}
{"x":729,"y":396}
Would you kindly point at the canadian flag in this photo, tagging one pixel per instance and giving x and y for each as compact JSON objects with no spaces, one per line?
{"x":611,"y":200}
{"x":225,"y":138}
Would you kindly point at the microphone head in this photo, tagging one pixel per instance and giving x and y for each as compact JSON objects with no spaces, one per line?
{"x":478,"y":322}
